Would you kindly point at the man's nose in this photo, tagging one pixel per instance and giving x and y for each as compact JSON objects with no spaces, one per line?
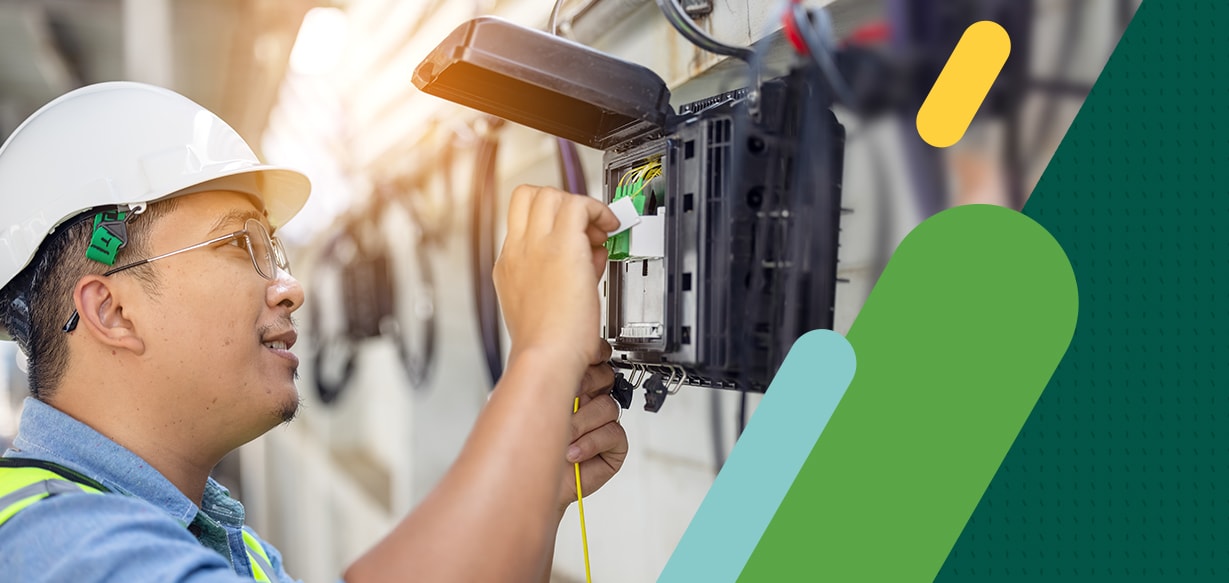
{"x":285,"y":290}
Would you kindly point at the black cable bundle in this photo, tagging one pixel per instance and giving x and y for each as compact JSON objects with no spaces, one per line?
{"x":483,"y":250}
{"x":682,"y":23}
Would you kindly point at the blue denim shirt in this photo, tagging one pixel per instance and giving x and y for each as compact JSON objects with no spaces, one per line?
{"x":146,"y":531}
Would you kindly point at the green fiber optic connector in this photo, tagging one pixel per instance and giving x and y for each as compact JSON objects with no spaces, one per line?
{"x":618,"y":247}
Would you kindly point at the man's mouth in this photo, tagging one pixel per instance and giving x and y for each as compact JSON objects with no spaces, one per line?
{"x":282,"y":340}
{"x":279,"y":345}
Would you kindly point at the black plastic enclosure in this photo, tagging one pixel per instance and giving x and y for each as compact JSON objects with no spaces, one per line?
{"x":545,"y":82}
{"x":752,"y":197}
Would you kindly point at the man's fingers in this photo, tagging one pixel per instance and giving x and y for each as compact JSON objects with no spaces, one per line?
{"x":592,"y":415}
{"x":597,"y":237}
{"x":597,"y":246}
{"x":604,"y":350}
{"x":582,"y":211}
{"x":518,"y":210}
{"x":609,"y":438}
{"x":600,"y":257}
{"x":598,"y":378}
{"x":604,"y":462}
{"x":546,"y":206}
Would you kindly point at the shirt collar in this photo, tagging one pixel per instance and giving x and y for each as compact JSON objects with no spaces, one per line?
{"x":48,"y":434}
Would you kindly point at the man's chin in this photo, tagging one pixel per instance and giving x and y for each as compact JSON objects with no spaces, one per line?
{"x":287,"y":406}
{"x":290,"y":405}
{"x":290,"y":409}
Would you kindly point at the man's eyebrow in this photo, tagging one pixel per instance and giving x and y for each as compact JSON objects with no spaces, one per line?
{"x":234,"y":217}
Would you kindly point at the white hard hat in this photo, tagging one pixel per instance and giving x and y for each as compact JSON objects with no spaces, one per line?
{"x":123,"y":143}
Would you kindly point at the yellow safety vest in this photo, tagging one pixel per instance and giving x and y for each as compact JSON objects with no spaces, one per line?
{"x":24,"y":482}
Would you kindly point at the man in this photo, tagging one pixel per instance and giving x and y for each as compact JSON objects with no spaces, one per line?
{"x":140,"y":277}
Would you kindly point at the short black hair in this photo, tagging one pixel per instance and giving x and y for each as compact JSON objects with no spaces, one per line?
{"x":35,"y":305}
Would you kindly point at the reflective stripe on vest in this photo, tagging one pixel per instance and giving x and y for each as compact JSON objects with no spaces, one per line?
{"x":21,"y":487}
{"x":262,"y":570}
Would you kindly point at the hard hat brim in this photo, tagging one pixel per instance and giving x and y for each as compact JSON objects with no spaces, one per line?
{"x":282,"y":192}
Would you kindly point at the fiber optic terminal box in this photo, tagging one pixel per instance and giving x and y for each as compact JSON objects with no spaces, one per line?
{"x":739,"y":195}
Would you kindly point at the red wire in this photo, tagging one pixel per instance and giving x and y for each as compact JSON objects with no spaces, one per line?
{"x":873,"y":33}
{"x":869,"y":34}
{"x":790,"y":25}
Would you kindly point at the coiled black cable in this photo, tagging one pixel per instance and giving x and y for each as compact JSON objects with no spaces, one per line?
{"x":681,"y":22}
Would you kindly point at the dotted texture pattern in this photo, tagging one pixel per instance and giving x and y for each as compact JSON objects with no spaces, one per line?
{"x":1122,"y":470}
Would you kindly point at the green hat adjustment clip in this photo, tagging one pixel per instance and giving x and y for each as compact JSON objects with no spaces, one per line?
{"x":110,"y":233}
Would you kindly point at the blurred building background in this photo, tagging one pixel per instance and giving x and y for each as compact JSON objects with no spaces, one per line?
{"x":324,"y":86}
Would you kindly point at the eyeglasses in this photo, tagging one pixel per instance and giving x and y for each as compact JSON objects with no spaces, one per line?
{"x":267,"y":253}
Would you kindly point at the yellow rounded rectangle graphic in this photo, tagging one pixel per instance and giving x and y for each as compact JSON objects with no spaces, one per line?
{"x":963,"y":84}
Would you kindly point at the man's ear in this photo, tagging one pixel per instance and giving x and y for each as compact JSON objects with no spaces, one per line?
{"x":102,"y":314}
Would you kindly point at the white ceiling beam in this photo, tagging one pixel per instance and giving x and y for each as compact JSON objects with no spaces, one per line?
{"x":148,"y":51}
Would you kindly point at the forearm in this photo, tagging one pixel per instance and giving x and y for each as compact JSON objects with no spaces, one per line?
{"x":499,"y":499}
{"x":550,"y":550}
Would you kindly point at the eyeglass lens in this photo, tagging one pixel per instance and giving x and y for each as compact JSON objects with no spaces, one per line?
{"x":267,"y":252}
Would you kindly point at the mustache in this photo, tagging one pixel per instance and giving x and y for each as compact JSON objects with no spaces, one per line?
{"x":282,"y":323}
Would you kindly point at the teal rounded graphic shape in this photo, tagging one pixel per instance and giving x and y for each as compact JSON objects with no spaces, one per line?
{"x":777,"y":440}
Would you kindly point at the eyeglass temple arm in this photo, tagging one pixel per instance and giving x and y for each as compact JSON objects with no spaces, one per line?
{"x":71,"y":324}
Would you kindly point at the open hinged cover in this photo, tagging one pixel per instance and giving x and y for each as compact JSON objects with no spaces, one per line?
{"x":545,"y":82}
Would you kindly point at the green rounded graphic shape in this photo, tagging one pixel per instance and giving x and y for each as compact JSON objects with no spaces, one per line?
{"x":954,"y":345}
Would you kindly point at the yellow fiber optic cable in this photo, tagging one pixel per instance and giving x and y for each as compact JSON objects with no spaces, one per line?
{"x":580,"y":504}
{"x":650,"y":172}
{"x":626,"y":175}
